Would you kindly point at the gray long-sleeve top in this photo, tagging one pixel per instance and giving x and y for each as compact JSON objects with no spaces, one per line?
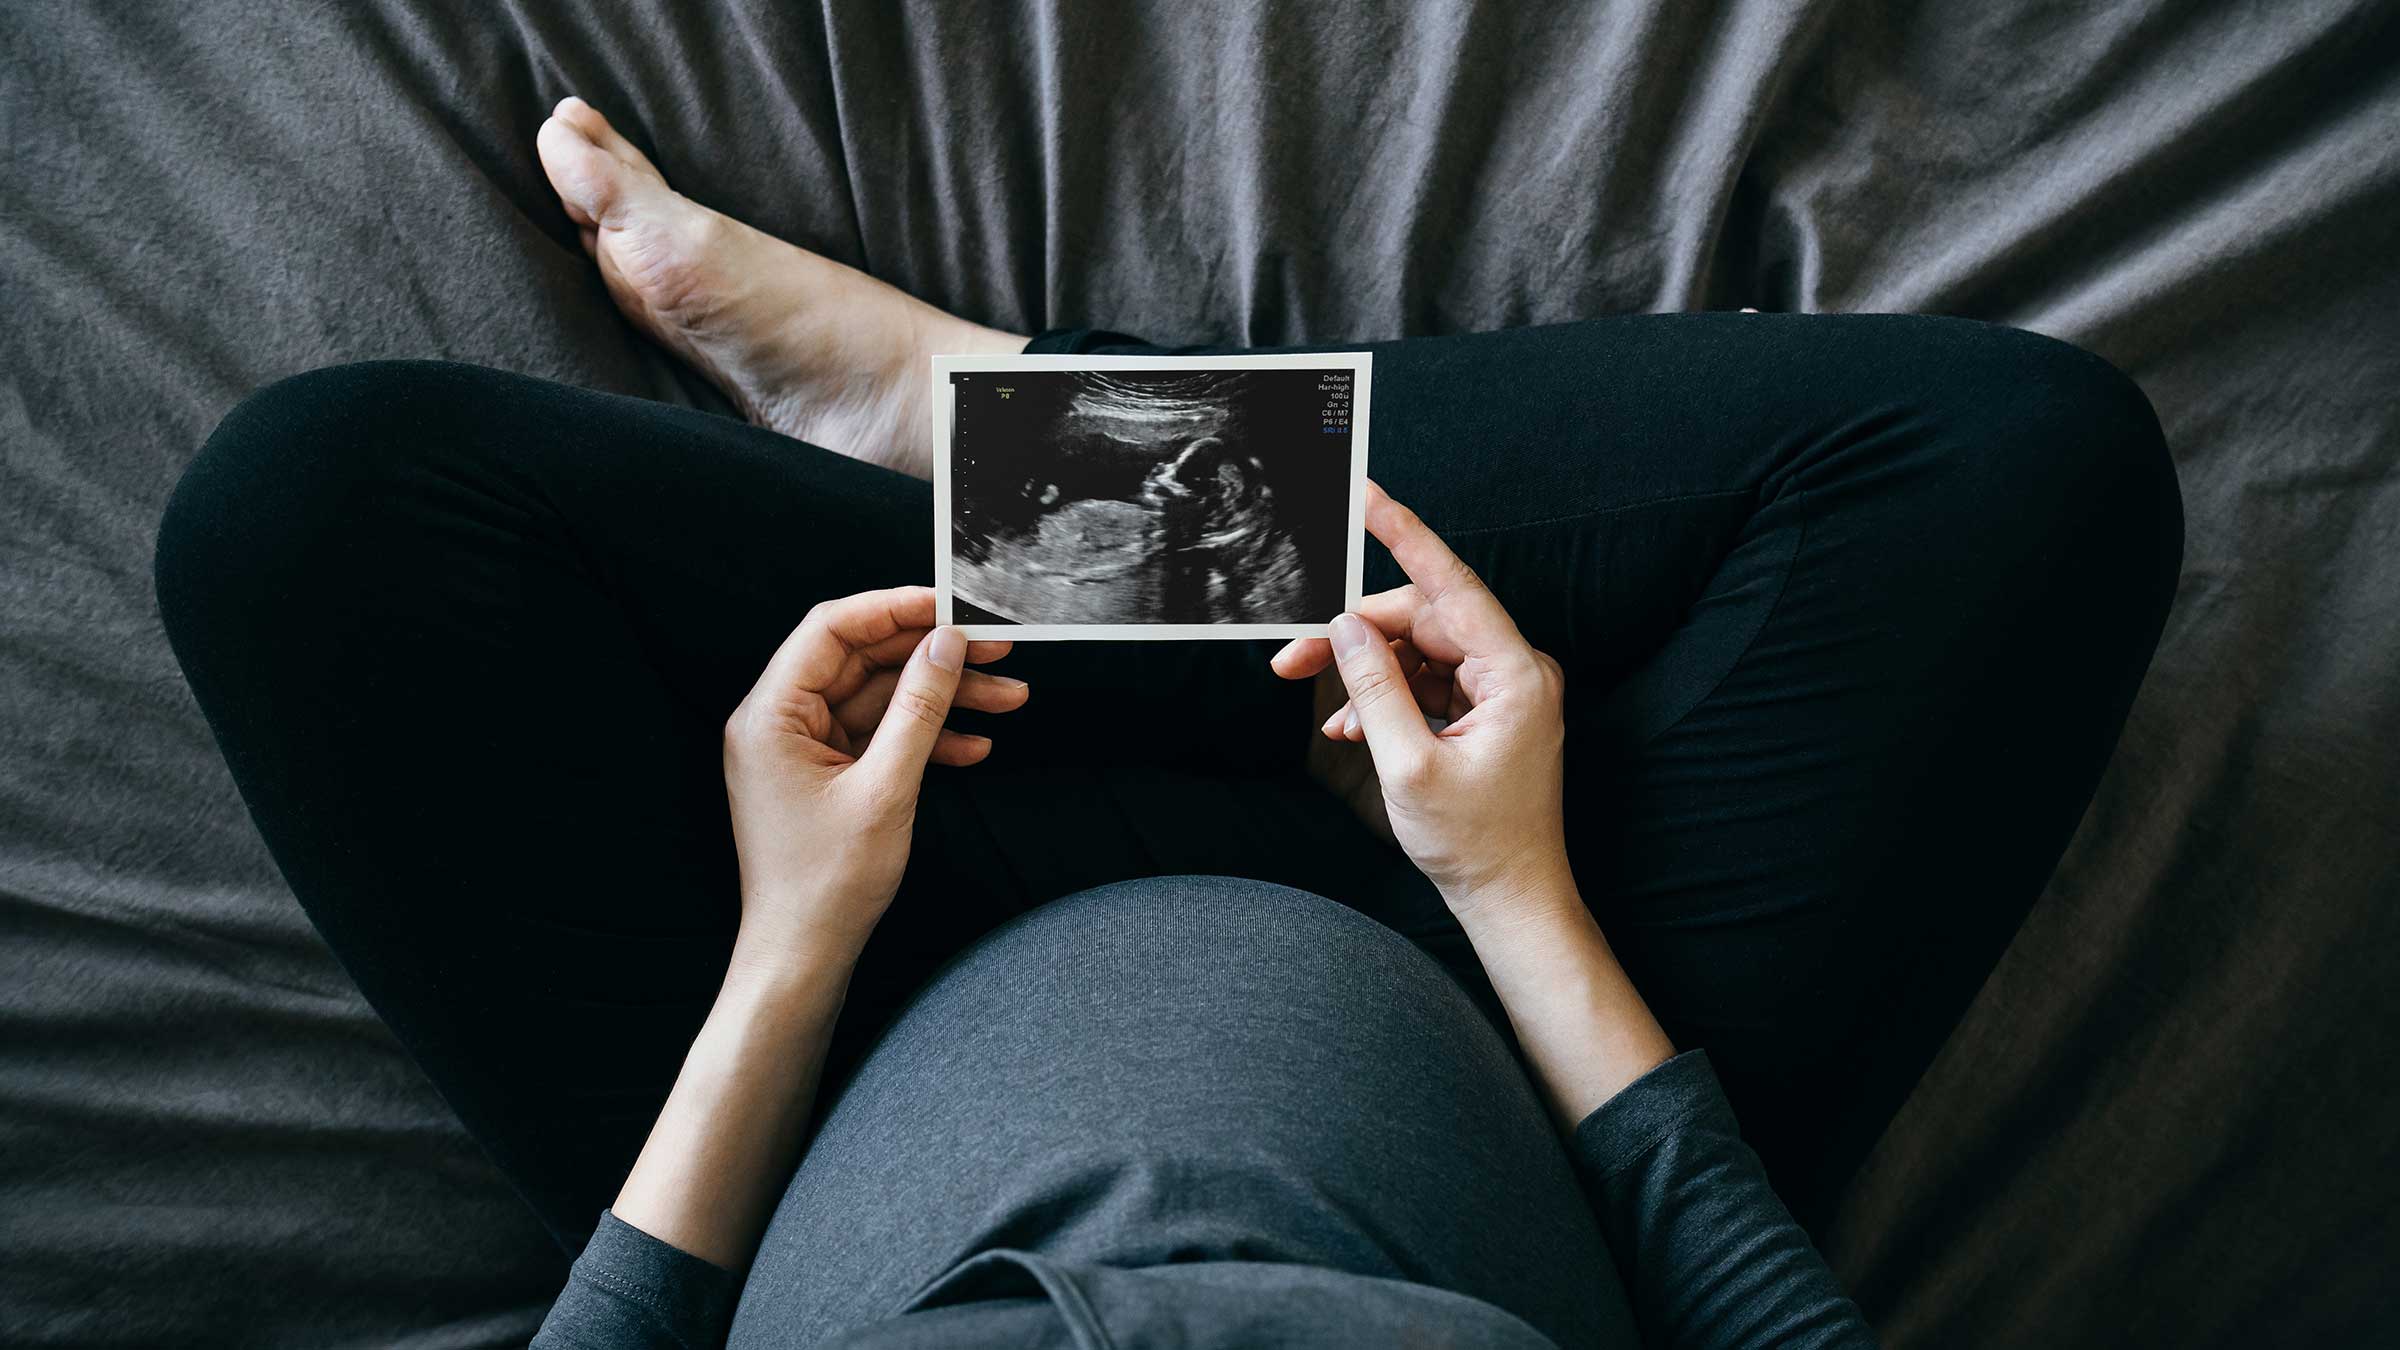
{"x":1706,"y":1253}
{"x":1201,"y":1112}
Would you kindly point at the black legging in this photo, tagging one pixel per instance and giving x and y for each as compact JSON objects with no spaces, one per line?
{"x":1851,"y":608}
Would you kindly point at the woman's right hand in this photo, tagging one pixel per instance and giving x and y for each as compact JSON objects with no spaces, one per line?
{"x":824,"y":759}
{"x":1476,"y":804}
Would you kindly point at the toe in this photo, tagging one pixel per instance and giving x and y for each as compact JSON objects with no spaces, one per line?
{"x":603,"y":180}
{"x":661,"y":255}
{"x":596,"y":128}
{"x":584,"y":176}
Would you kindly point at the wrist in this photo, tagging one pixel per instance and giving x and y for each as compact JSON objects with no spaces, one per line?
{"x":768,"y":974}
{"x":1586,"y":1031}
{"x":803,"y":926}
{"x":1537,"y":892}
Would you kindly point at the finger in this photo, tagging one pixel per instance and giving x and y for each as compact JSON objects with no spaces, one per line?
{"x":1428,"y":683}
{"x":1301,"y":657}
{"x":796,"y":712}
{"x":912,"y":723}
{"x":1393,"y":611}
{"x":1344,"y":725}
{"x":1387,"y":715}
{"x":1436,"y":690}
{"x":859,"y":713}
{"x":1440,"y":579}
{"x":977,"y":690}
{"x":958,"y":749}
{"x":825,"y":647}
{"x":893,"y":652}
{"x":1428,"y":680}
{"x":1429,"y":563}
{"x":989,"y":693}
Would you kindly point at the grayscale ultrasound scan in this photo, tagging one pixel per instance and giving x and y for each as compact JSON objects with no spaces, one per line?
{"x":1169,"y":497}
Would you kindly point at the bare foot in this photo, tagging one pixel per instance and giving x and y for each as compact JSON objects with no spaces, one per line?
{"x":800,"y":343}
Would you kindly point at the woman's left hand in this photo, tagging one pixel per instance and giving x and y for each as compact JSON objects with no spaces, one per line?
{"x":822,"y":765}
{"x":824,"y":758}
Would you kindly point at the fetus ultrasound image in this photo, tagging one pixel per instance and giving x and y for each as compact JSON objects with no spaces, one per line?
{"x":1150,"y":497}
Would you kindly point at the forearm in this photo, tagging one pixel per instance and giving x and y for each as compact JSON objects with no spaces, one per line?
{"x":823,"y":762}
{"x":1585,"y":1030}
{"x":735,"y":1123}
{"x":1709,"y":1256}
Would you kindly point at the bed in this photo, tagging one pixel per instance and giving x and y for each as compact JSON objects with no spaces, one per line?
{"x":2168,"y":1119}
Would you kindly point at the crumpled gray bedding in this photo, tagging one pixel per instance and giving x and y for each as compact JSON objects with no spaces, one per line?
{"x":2168,"y":1118}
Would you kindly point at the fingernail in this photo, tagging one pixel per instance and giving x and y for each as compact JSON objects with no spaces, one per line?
{"x":1333,"y":725}
{"x":1350,"y":634}
{"x":947,"y":648}
{"x":1350,"y":724}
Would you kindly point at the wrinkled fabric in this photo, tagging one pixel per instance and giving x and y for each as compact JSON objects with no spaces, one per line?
{"x":2167,"y":1086}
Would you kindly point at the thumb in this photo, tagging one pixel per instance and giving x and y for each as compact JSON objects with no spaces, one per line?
{"x":904,"y":739}
{"x":1379,"y":693}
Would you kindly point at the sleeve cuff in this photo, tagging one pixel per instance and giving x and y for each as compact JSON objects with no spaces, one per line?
{"x":630,"y":1289}
{"x":1652,"y":1109}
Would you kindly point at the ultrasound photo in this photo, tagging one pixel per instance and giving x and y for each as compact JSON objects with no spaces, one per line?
{"x":1204,"y":496}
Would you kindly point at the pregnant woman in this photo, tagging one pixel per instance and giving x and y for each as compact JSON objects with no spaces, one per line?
{"x":1761,"y":664}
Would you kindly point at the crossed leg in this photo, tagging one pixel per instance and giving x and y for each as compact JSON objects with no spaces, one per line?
{"x":1851,"y":608}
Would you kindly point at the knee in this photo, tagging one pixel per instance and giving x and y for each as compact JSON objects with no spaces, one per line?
{"x":268,"y":507}
{"x":2066,"y":451}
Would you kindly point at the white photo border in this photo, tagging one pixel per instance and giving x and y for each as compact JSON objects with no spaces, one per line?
{"x":1362,"y":368}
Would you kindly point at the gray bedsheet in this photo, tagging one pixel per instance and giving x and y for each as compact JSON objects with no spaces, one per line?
{"x":2169,"y":1118}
